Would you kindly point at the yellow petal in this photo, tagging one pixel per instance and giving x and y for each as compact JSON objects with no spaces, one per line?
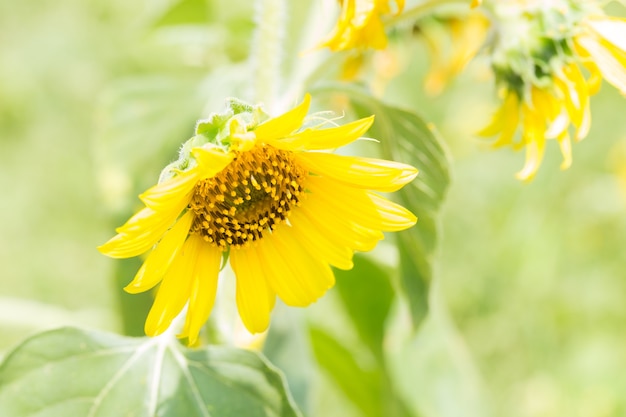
{"x":338,"y":39}
{"x":362,"y":207}
{"x":612,"y":29}
{"x":211,"y":160}
{"x":254,"y":297}
{"x":610,"y":61}
{"x":369,"y":173}
{"x":504,"y":117}
{"x":174,"y":291}
{"x":161,"y":257}
{"x":533,"y":138}
{"x":509,"y":120}
{"x":341,"y":230}
{"x":585,"y":124}
{"x":139,"y":234}
{"x":284,"y":124}
{"x":400,"y":4}
{"x":203,"y":290}
{"x":294,"y":274}
{"x":566,"y":150}
{"x":168,"y":193}
{"x":318,"y":139}
{"x":594,"y":82}
{"x":316,"y":242}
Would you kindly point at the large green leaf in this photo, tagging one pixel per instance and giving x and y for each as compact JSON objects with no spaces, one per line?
{"x":362,"y":386}
{"x":365,"y":383}
{"x":405,"y":137}
{"x":433,"y":369}
{"x":367,"y":294}
{"x":72,"y":372}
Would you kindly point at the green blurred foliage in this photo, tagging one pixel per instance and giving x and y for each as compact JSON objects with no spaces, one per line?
{"x":529,"y":308}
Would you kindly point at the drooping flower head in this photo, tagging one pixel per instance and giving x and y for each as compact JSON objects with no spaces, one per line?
{"x":452,"y":42}
{"x":258,"y":189}
{"x":549,"y":58}
{"x":360,"y":25}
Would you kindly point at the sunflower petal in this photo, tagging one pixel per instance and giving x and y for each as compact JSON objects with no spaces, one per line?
{"x":316,"y":242}
{"x":343,"y":231}
{"x":369,"y":173}
{"x":365,"y":208}
{"x":211,"y":160}
{"x":161,"y":257}
{"x":294,"y":274}
{"x":203,"y":289}
{"x":534,"y":139}
{"x":319,"y":139}
{"x":284,"y":124}
{"x":610,"y":61}
{"x":613,"y":29}
{"x":254,"y":297}
{"x":139,"y":234}
{"x":174,"y":291}
{"x":169,"y":193}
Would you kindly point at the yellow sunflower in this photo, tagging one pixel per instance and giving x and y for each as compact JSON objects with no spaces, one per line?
{"x":547,"y":113}
{"x":256,"y":188}
{"x":360,"y":25}
{"x":539,"y":62}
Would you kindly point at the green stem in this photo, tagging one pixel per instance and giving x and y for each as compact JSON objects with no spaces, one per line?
{"x":421,"y":9}
{"x":267,"y":50}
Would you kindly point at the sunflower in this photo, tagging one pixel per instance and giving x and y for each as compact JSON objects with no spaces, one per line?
{"x":360,"y":25}
{"x":550,"y":59}
{"x":547,"y":114}
{"x":255,"y":189}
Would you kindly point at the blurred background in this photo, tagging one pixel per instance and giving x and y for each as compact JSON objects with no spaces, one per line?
{"x":96,"y":96}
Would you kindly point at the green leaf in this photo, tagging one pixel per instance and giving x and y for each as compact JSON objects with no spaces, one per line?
{"x":433,"y":370}
{"x":367,"y":294}
{"x":365,"y":383}
{"x":406,"y":138}
{"x":287,"y":347}
{"x":362,"y":386}
{"x":72,"y":372}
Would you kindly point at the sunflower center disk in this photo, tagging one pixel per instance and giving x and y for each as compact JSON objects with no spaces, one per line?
{"x":253,"y":194}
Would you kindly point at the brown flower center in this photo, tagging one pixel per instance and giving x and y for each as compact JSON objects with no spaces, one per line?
{"x":253,"y":194}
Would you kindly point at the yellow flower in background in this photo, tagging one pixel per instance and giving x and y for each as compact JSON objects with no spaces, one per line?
{"x":259,"y":191}
{"x":548,"y":113}
{"x":550,"y":59}
{"x":476,"y":3}
{"x":465,"y":36}
{"x":360,"y":25}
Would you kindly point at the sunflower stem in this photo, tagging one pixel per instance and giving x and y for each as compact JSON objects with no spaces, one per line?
{"x":267,"y":50}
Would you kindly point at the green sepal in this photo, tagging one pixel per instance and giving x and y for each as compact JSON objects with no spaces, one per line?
{"x":238,"y":117}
